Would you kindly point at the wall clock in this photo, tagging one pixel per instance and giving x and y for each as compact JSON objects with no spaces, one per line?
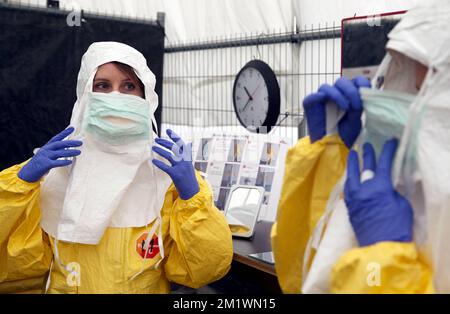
{"x":256,"y":97}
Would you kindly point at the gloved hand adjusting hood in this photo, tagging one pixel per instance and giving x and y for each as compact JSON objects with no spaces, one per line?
{"x":107,"y":185}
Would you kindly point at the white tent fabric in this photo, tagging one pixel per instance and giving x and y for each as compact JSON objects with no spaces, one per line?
{"x":188,"y":20}
{"x":193,"y":19}
{"x":309,"y":12}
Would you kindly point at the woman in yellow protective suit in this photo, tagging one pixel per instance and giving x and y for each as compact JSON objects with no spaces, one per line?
{"x":93,"y":214}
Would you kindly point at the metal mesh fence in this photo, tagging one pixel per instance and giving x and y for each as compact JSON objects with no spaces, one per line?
{"x":199,"y":76}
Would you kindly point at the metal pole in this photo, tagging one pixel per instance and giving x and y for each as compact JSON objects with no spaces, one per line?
{"x":313,"y":34}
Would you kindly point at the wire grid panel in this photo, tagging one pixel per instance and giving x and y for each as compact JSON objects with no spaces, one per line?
{"x":198,"y":83}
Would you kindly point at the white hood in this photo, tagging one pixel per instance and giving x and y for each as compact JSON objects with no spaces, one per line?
{"x":103,"y":52}
{"x":422,"y":35}
{"x":422,"y":166}
{"x":105,"y":186}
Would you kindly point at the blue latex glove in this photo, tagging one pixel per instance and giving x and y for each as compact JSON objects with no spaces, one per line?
{"x":377,"y":212}
{"x":345,"y":94}
{"x":47,"y":157}
{"x":180,"y":157}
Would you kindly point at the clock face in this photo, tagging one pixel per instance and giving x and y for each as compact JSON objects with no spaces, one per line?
{"x":251,"y":98}
{"x":256,"y":97}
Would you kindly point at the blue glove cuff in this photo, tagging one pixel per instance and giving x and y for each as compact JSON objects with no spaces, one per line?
{"x":26,"y":175}
{"x":368,"y":242}
{"x":188,"y":191}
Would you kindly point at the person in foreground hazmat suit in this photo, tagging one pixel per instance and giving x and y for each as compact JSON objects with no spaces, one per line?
{"x":384,"y":236}
{"x":106,"y":218}
{"x":405,"y":237}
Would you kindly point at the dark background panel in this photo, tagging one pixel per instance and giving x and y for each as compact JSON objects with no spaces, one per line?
{"x":363,"y":44}
{"x":40,"y":56}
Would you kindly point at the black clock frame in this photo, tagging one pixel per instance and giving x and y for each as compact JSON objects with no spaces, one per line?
{"x":273,"y":89}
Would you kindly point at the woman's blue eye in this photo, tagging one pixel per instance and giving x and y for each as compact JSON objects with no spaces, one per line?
{"x":130,"y":86}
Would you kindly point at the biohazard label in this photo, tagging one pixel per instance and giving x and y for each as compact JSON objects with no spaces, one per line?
{"x":152,"y":247}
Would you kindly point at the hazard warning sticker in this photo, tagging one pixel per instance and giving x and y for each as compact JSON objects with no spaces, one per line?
{"x":152,"y":248}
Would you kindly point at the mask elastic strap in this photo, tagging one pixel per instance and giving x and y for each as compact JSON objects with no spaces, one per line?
{"x":154,"y":124}
{"x":160,"y":238}
{"x":57,"y":255}
{"x":58,"y":259}
{"x":379,"y":77}
{"x":150,"y":234}
{"x":160,"y":243}
{"x":47,"y":285}
{"x":333,"y":115}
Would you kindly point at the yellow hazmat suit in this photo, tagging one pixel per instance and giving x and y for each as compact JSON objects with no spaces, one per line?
{"x":422,"y":266}
{"x":311,"y":172}
{"x":197,"y":242}
{"x":418,"y":267}
{"x":385,"y":267}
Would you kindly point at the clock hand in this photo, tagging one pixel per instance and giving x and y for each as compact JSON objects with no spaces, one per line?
{"x":246,"y":104}
{"x":248,"y":93}
{"x":251,"y":96}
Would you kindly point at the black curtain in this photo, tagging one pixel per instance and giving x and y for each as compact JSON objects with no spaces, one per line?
{"x":40,"y":55}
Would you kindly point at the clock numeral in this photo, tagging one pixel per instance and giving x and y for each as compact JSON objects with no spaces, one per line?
{"x":238,"y":85}
{"x":266,"y":98}
{"x":238,"y":98}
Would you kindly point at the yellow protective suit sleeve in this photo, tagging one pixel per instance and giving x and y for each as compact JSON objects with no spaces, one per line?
{"x":385,"y":267}
{"x":200,"y":247}
{"x":311,"y":172}
{"x":25,"y":253}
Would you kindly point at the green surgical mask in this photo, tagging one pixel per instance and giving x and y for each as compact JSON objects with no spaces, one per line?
{"x":117,"y":118}
{"x":386,"y":115}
